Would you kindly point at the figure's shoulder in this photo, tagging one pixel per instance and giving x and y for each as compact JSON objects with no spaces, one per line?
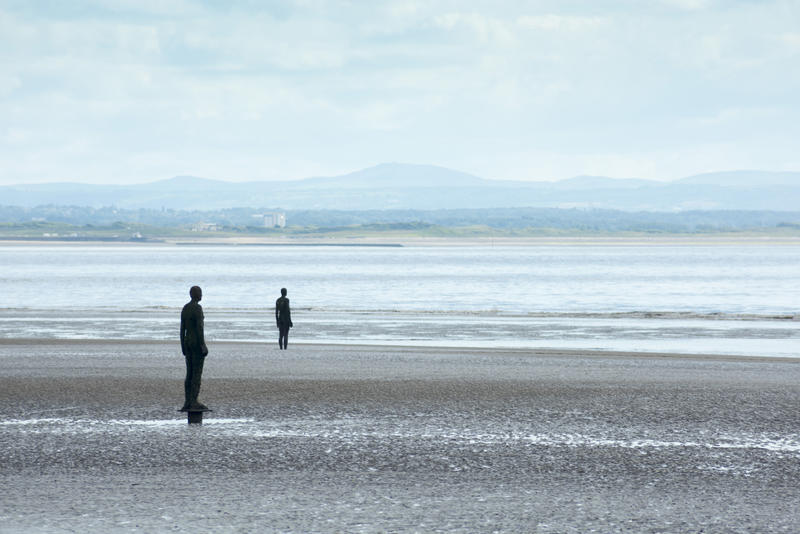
{"x":192,"y":307}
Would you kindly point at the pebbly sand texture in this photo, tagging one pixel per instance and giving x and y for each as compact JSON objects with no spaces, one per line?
{"x":382,"y":439}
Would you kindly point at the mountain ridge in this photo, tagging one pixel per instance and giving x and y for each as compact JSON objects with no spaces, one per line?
{"x":415,"y":186}
{"x":390,"y":171}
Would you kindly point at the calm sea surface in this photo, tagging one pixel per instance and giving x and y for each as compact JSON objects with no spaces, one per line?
{"x":694,"y":299}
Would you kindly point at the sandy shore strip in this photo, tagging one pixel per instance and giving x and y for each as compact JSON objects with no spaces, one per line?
{"x":325,"y":438}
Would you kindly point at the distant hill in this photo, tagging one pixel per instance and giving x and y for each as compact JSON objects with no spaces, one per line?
{"x":428,"y":187}
{"x":745,"y":179}
{"x":602,"y":182}
{"x":394,"y":175}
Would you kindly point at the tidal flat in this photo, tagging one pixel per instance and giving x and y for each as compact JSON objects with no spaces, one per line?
{"x":324,"y":438}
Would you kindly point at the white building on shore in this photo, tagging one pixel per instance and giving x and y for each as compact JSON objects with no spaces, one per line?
{"x":272,"y":220}
{"x":205,"y":227}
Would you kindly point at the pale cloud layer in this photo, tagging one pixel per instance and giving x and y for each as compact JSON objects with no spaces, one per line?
{"x":134,"y":91}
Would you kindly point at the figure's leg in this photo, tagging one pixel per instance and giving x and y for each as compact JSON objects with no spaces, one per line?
{"x":280,"y":337}
{"x":283,"y":336}
{"x":197,"y":372}
{"x":187,"y":383}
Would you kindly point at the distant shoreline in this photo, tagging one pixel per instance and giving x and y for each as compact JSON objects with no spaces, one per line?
{"x":413,"y":241}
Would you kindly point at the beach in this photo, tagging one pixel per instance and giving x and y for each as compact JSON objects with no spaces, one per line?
{"x":337,"y":438}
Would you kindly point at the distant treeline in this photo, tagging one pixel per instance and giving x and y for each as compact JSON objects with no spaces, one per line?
{"x":248,"y":219}
{"x":562,"y":219}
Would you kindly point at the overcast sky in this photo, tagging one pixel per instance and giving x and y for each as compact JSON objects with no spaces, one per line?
{"x":134,"y":91}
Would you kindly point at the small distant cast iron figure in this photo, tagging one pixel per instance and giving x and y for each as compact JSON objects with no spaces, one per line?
{"x":283,"y":316}
{"x":193,"y":346}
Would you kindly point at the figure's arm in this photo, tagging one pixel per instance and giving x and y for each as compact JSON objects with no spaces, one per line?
{"x":277,"y":313}
{"x":183,"y":334}
{"x":200,"y":331}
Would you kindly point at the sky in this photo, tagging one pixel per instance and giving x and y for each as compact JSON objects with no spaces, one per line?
{"x":134,"y":91}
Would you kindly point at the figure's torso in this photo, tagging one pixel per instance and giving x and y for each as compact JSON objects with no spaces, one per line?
{"x":282,"y":310}
{"x":192,"y":320}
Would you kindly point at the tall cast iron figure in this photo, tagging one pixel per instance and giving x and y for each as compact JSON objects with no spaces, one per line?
{"x":193,"y":346}
{"x":283,"y":317}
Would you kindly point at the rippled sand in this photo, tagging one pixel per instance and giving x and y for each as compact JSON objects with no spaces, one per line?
{"x":370,"y":439}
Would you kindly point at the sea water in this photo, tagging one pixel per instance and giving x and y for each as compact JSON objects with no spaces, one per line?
{"x":733,"y":299}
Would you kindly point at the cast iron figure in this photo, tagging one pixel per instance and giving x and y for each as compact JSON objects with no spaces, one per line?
{"x":283,"y":317}
{"x":193,"y":346}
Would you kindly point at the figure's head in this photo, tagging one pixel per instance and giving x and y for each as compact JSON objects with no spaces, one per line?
{"x":196,"y":293}
{"x":283,"y":291}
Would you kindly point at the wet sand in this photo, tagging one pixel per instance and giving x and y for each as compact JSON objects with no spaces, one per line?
{"x":388,"y":439}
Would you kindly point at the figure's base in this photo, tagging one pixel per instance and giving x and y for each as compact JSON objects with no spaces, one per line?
{"x":195,"y":416}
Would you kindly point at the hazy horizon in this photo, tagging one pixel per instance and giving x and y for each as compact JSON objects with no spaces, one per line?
{"x":354,"y":171}
{"x":389,"y":186}
{"x":131,"y":92}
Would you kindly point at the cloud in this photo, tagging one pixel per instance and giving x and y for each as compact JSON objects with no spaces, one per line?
{"x":93,"y":89}
{"x":560,"y":22}
{"x":486,"y":28}
{"x":791,"y":41}
{"x":16,"y":136}
{"x":262,"y":41}
{"x":8,"y":84}
{"x":688,"y":5}
{"x":734,"y":115}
